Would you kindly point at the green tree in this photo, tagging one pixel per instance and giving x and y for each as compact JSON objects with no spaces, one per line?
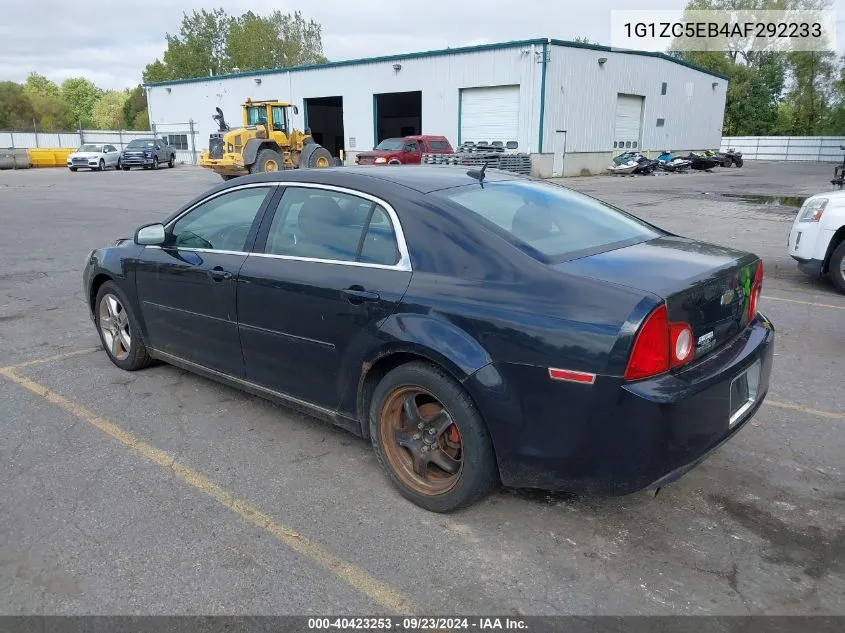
{"x":211,"y":42}
{"x":16,"y":111}
{"x":810,"y":94}
{"x":198,"y":50}
{"x":136,"y":102}
{"x":141,"y":120}
{"x":107,"y":113}
{"x":80,"y":95}
{"x":51,"y":111}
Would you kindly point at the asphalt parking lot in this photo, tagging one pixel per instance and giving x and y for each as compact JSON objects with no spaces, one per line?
{"x":160,"y":492}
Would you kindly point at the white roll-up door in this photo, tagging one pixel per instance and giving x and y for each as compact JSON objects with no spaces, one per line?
{"x":628,"y":122}
{"x":490,"y":114}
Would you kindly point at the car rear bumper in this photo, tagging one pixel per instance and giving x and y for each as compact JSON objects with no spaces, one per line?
{"x":614,"y":437}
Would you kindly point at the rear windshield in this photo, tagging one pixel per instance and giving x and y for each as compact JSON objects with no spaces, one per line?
{"x":139,"y":144}
{"x":554,"y":221}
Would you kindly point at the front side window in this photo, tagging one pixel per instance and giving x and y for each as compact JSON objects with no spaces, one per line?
{"x":279,"y":118}
{"x":319,"y":224}
{"x":256,"y":115}
{"x":554,"y":221}
{"x":411,"y":148}
{"x":222,"y":224}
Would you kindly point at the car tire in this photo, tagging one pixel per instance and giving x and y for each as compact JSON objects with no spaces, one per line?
{"x":267,"y":158}
{"x":116,"y":323}
{"x":172,"y":162}
{"x":836,"y":267}
{"x":73,"y":168}
{"x":102,"y":165}
{"x":394,"y":161}
{"x":125,"y":167}
{"x":154,"y":164}
{"x":452,"y":431}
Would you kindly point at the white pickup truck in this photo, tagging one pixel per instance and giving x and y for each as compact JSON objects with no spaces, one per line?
{"x":817,"y":238}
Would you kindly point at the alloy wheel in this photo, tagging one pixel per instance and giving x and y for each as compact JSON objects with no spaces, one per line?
{"x":114,"y":326}
{"x":421,"y":441}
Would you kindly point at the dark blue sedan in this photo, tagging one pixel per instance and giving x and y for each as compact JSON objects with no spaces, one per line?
{"x":477,"y":328}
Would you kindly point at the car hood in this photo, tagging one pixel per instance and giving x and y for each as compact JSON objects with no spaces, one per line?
{"x":85,"y":155}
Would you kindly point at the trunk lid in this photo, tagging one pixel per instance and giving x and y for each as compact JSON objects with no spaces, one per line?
{"x":705,"y":285}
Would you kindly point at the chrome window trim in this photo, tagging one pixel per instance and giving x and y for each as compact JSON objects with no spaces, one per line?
{"x":404,"y":263}
{"x":251,"y":185}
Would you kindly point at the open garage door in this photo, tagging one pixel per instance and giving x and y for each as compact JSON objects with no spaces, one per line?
{"x":397,"y":114}
{"x":628,"y":124}
{"x":490,"y":114}
{"x":324,"y":117}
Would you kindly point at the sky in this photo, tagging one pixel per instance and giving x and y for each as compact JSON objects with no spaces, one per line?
{"x":110,"y":41}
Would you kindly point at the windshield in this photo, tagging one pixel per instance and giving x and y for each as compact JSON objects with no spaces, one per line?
{"x":556,"y":222}
{"x":140,"y":144}
{"x":90,"y":148}
{"x":391,"y":144}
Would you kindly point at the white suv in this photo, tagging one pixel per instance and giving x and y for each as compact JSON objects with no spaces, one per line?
{"x":817,"y":239}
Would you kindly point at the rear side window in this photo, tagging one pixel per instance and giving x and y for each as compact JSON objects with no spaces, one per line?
{"x":554,"y":221}
{"x":439,"y":145}
{"x":330,"y":225}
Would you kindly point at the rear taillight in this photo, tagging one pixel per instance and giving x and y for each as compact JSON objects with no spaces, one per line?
{"x":659,"y":346}
{"x":756,"y":288}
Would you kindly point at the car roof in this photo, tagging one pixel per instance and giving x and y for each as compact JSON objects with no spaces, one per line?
{"x":420,"y":178}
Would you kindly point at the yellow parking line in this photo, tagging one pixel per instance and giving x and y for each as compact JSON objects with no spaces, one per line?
{"x":356,"y":577}
{"x":806,"y":303}
{"x":50,"y":359}
{"x":798,"y":407}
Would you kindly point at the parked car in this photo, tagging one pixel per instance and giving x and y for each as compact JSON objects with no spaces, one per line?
{"x":817,"y":238}
{"x":404,"y":151}
{"x":147,"y":153}
{"x":92,"y":156}
{"x":517,"y":331}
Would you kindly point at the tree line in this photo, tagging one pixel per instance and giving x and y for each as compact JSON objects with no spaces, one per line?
{"x":43,"y":105}
{"x":799,"y":93}
{"x":208,"y":42}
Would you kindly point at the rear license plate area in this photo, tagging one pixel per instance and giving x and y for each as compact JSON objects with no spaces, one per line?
{"x":743,"y":392}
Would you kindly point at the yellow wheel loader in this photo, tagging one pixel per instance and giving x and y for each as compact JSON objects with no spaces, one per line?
{"x":264,"y":143}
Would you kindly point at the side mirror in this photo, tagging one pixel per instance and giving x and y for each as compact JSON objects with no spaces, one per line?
{"x":295,"y":110}
{"x":150,"y":235}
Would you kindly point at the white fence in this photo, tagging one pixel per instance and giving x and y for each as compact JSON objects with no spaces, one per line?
{"x":791,"y":148}
{"x":180,"y":136}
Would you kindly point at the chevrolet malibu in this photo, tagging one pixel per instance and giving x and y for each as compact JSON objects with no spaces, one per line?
{"x":476,"y":327}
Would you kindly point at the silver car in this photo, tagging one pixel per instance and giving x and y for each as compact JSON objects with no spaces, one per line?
{"x":97,"y":156}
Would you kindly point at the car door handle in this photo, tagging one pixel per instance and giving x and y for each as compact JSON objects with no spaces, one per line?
{"x":357,"y":294}
{"x":218,"y":273}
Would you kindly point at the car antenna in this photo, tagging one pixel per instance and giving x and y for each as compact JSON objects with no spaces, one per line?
{"x":478,"y":174}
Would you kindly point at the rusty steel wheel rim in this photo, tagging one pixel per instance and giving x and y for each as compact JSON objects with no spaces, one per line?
{"x":271,"y":165}
{"x":421,"y":441}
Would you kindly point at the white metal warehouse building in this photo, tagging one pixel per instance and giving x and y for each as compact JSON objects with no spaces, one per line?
{"x":569,"y":105}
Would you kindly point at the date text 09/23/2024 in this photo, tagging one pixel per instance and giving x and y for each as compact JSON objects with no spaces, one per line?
{"x":416,"y":623}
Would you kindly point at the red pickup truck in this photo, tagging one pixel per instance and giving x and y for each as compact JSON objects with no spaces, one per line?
{"x":404,"y":151}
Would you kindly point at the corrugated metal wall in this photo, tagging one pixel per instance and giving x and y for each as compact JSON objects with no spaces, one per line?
{"x":581,"y":99}
{"x":438,"y":77}
{"x":797,"y":148}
